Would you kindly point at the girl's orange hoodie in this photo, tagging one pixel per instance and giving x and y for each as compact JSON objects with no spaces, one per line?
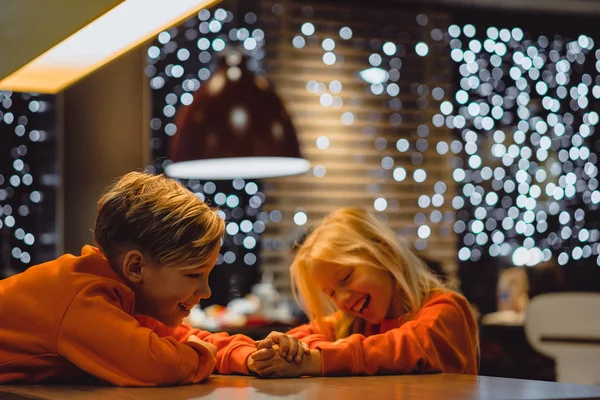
{"x":73,"y":317}
{"x":442,"y":337}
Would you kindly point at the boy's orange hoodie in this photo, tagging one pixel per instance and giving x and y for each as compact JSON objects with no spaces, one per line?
{"x":442,"y":337}
{"x":73,"y":317}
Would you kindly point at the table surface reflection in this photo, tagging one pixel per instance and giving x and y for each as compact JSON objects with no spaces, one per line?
{"x":422,"y":387}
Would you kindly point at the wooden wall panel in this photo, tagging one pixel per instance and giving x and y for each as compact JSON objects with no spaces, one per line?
{"x":353,"y":161}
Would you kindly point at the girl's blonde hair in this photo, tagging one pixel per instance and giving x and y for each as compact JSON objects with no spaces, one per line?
{"x":352,"y":236}
{"x":160,"y":217}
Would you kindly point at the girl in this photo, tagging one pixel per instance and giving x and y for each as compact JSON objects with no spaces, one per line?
{"x":374,"y":308}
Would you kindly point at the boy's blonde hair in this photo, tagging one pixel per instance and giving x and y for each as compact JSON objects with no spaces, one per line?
{"x":352,"y":236}
{"x":159,"y":217}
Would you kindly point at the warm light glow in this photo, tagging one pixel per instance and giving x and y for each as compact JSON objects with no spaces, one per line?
{"x":119,"y":30}
{"x":242,"y":167}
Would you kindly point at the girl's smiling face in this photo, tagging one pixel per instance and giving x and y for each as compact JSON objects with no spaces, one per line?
{"x":359,"y":290}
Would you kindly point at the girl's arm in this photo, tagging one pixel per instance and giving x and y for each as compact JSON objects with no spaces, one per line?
{"x":311,"y":334}
{"x":441,"y":338}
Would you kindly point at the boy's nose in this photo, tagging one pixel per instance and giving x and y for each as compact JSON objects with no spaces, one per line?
{"x":203,"y":292}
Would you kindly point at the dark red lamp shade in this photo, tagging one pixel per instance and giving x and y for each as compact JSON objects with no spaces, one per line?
{"x":236,"y":127}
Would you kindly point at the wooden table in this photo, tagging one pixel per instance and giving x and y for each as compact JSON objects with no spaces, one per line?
{"x":422,"y":387}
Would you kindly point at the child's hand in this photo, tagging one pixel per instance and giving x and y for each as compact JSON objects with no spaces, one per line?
{"x":211,"y":347}
{"x":290,"y":347}
{"x":273,"y":365}
{"x":265,"y":353}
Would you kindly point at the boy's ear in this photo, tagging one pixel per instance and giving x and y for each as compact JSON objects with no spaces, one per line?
{"x":133,"y":266}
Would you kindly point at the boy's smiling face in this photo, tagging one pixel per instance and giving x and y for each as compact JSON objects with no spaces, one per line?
{"x":167,"y":293}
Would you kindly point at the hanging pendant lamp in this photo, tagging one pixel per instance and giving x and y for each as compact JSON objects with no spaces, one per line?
{"x":236,"y":127}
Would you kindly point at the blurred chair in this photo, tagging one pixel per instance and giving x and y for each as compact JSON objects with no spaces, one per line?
{"x":566,"y":327}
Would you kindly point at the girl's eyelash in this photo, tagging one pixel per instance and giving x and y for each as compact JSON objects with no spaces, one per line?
{"x":193,"y":275}
{"x":347,"y":277}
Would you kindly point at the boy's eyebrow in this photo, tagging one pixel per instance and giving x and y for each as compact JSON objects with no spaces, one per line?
{"x":203,"y":267}
{"x":196,"y":268}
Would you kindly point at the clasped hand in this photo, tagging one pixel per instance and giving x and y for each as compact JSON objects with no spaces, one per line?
{"x":283,"y":356}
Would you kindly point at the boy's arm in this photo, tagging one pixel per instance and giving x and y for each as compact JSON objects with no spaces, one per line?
{"x":98,"y":336}
{"x":232,"y":351}
{"x":442,"y":338}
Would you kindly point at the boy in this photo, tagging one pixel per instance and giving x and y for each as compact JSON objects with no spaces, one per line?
{"x":73,"y":317}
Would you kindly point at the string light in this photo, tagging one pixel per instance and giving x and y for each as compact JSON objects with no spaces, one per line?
{"x":27,"y":180}
{"x":534,"y":168}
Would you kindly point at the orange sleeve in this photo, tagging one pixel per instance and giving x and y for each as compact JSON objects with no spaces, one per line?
{"x":442,"y":338}
{"x":310,"y":334}
{"x":98,"y":336}
{"x":232,"y":351}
